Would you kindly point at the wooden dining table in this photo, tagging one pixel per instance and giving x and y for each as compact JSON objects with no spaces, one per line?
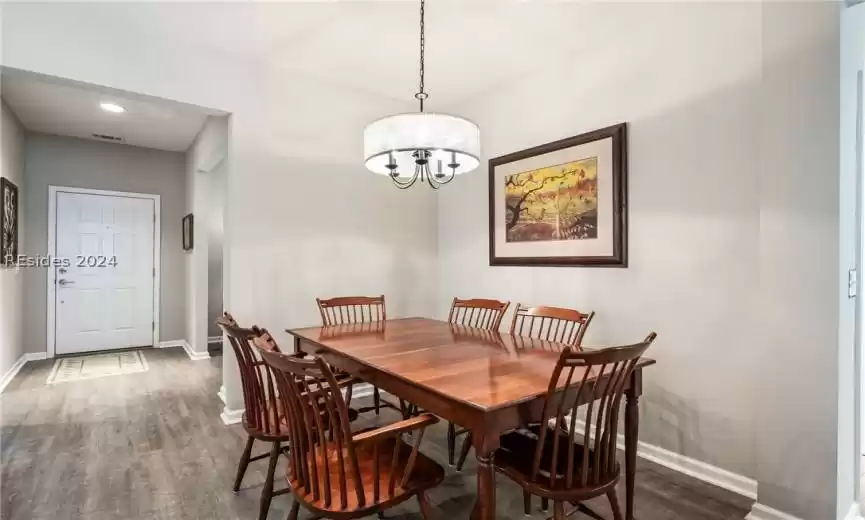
{"x":486,"y":381}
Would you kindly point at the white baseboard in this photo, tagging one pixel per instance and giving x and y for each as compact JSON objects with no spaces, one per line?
{"x":699,"y":470}
{"x":761,"y":512}
{"x":12,"y":372}
{"x":361,"y":390}
{"x":235,"y":416}
{"x":18,"y":365}
{"x":214,"y":339}
{"x":855,"y":512}
{"x":232,"y":416}
{"x":193,"y":355}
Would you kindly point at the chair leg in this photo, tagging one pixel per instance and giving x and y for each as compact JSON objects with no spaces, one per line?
{"x":464,"y":452}
{"x":527,"y":502}
{"x":452,"y":443}
{"x":295,"y":509}
{"x":267,"y":492}
{"x":425,"y":507}
{"x":545,"y":503}
{"x":558,"y":510}
{"x":376,"y":400}
{"x":614,"y":504}
{"x":244,"y":463}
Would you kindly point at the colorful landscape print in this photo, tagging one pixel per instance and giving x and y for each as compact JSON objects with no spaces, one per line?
{"x":553,"y":203}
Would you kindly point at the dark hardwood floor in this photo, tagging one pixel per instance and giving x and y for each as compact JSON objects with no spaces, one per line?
{"x":152,"y":446}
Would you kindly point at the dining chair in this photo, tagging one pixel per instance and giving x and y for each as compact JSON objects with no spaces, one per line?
{"x":334,"y":472}
{"x":556,"y":324}
{"x":566,"y":459}
{"x":480,"y":313}
{"x":345,"y":310}
{"x":548,"y":324}
{"x":263,"y":418}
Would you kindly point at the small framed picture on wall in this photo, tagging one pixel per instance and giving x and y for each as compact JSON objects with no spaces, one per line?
{"x":187,"y":232}
{"x":8,"y":222}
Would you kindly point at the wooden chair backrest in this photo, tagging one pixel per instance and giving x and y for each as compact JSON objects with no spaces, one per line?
{"x":554,"y":324}
{"x":256,"y":379}
{"x":351,"y":309}
{"x":478,"y":312}
{"x":609,"y":370}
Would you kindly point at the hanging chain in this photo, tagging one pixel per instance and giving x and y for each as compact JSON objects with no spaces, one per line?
{"x":421,"y":95}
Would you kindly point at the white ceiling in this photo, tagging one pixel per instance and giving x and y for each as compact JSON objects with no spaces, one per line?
{"x":472,"y":45}
{"x":72,"y":109}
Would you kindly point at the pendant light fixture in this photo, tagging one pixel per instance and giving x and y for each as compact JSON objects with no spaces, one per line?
{"x":426,"y":146}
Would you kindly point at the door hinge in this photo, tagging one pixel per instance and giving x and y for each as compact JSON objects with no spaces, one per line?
{"x":852,"y":283}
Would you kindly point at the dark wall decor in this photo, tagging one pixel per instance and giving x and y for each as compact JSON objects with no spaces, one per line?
{"x":563,"y":203}
{"x":8,"y":222}
{"x":187,"y":232}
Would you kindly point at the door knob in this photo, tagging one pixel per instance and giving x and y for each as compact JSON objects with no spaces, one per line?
{"x":64,"y":281}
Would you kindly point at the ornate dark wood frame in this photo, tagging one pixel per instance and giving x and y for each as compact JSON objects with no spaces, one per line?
{"x":4,"y":182}
{"x":619,"y":258}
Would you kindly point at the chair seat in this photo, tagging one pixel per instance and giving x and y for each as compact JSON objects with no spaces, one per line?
{"x":425,"y":474}
{"x":516,"y":456}
{"x":278,"y":429}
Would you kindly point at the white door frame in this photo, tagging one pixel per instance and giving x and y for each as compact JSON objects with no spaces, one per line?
{"x":52,"y":252}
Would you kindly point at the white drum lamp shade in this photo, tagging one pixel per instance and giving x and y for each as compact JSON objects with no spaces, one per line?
{"x":453,"y":144}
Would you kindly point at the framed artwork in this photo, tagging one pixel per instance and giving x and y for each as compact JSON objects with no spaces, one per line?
{"x":8,"y":222}
{"x":187,"y":232}
{"x":561,"y":204}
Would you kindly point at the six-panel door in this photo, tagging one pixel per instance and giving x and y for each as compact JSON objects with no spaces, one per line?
{"x":104,"y":299}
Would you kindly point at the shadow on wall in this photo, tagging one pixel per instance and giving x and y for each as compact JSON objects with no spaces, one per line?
{"x":351,"y":232}
{"x":694,"y":248}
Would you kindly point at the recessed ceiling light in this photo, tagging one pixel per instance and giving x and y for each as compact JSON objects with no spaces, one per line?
{"x":112,"y":107}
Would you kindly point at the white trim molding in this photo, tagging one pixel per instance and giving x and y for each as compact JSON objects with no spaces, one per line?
{"x":761,"y":512}
{"x":214,"y":339}
{"x":193,"y":355}
{"x":52,"y":251}
{"x":699,"y":470}
{"x":18,"y":365}
{"x":221,"y":394}
{"x":855,"y":513}
{"x":361,"y":390}
{"x":12,"y":372}
{"x":230,"y":417}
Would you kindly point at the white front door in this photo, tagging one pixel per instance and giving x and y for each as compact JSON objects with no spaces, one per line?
{"x":104,"y":299}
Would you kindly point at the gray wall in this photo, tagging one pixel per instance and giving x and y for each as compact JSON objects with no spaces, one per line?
{"x":216,"y":179}
{"x":693,"y":213}
{"x":799,"y":191}
{"x":66,"y":161}
{"x":11,"y":280}
{"x":733,"y":211}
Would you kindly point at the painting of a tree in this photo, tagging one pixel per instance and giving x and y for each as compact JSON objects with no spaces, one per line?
{"x":553,"y":203}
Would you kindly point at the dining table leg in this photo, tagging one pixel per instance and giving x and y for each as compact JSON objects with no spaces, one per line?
{"x":485,"y":446}
{"x":632,"y":428}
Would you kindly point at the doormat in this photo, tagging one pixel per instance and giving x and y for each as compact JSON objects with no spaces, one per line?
{"x":79,"y":368}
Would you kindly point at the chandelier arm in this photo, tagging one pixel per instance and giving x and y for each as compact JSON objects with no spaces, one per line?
{"x":405,"y":184}
{"x":433,"y":183}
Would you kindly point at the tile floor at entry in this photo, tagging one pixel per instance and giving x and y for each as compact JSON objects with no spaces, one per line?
{"x":152,"y":446}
